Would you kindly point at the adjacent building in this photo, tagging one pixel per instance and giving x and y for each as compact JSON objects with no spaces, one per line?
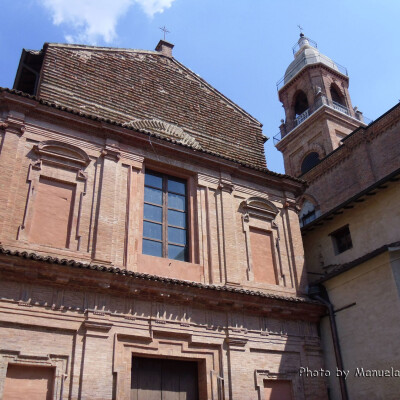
{"x":350,"y":213}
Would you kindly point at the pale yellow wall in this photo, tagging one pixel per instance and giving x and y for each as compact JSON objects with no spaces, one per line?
{"x":372,"y":223}
{"x":369,"y":331}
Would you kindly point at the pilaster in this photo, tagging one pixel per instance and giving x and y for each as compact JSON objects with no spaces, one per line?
{"x":11,"y":152}
{"x":226,"y":189}
{"x":106,"y":218}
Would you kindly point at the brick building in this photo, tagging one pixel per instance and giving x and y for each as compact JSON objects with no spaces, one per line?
{"x":349,"y":217}
{"x":146,"y":250}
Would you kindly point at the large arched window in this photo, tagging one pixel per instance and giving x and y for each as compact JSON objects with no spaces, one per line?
{"x":310,"y":161}
{"x":300,"y":103}
{"x":337,"y":96}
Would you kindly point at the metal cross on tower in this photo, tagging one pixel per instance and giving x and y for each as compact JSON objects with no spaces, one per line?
{"x":301,"y":28}
{"x":165,"y":30}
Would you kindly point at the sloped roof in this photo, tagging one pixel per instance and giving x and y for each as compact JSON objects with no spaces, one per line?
{"x":136,"y":85}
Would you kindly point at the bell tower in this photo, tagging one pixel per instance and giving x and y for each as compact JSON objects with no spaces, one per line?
{"x":318,"y":110}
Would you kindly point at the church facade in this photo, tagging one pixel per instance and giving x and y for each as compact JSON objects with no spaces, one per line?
{"x":349,"y":221}
{"x":146,"y":250}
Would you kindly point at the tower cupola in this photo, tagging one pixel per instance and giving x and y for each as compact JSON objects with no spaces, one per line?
{"x":306,"y":53}
{"x":318,"y":110}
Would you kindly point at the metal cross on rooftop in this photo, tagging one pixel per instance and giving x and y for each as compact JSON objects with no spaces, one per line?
{"x":165,"y":30}
{"x":301,"y":28}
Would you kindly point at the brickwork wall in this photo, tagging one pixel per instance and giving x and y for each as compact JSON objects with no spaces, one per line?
{"x":320,"y":133}
{"x":71,"y":323}
{"x":107,"y":215}
{"x":365,"y":157}
{"x":95,"y":335}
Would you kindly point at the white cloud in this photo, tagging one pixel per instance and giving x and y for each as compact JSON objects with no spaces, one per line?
{"x":151,"y":7}
{"x":90,"y":20}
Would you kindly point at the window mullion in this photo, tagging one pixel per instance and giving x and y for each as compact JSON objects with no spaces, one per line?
{"x":165,"y":217}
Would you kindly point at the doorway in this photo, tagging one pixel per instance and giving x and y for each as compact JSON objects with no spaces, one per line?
{"x":164,"y":379}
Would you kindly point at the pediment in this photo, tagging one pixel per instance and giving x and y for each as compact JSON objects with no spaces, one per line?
{"x":53,"y":150}
{"x":262,"y":208}
{"x":164,"y":129}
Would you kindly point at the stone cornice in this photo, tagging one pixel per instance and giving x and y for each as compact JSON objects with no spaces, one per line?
{"x":29,"y":267}
{"x":325,"y":109}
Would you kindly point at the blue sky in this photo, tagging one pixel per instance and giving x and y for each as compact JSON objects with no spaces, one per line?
{"x":241,"y":47}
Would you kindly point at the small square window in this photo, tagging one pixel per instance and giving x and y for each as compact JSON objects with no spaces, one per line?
{"x":342,"y":239}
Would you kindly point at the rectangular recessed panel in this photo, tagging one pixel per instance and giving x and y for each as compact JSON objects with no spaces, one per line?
{"x":262,"y":256}
{"x":52,"y":213}
{"x":28,"y":382}
{"x":276,"y":389}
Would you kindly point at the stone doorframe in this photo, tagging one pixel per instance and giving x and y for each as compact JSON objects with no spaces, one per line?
{"x":210,"y":381}
{"x":58,"y":362}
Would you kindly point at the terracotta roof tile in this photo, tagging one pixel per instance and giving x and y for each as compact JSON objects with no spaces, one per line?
{"x":341,"y":268}
{"x":137,"y":275}
{"x":124,"y":85}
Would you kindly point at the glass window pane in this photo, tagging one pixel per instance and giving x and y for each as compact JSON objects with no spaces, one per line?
{"x":176,"y":201}
{"x":176,"y":235}
{"x":176,"y":252}
{"x":176,"y":186}
{"x":153,"y":213}
{"x":153,"y":231}
{"x":152,"y":248}
{"x":153,"y":179}
{"x":177,"y":218}
{"x":153,"y":195}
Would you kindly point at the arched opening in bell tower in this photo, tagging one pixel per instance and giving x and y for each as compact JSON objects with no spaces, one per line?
{"x":300,"y":103}
{"x":336,"y":95}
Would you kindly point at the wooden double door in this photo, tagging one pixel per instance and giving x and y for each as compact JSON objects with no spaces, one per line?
{"x":164,"y":379}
